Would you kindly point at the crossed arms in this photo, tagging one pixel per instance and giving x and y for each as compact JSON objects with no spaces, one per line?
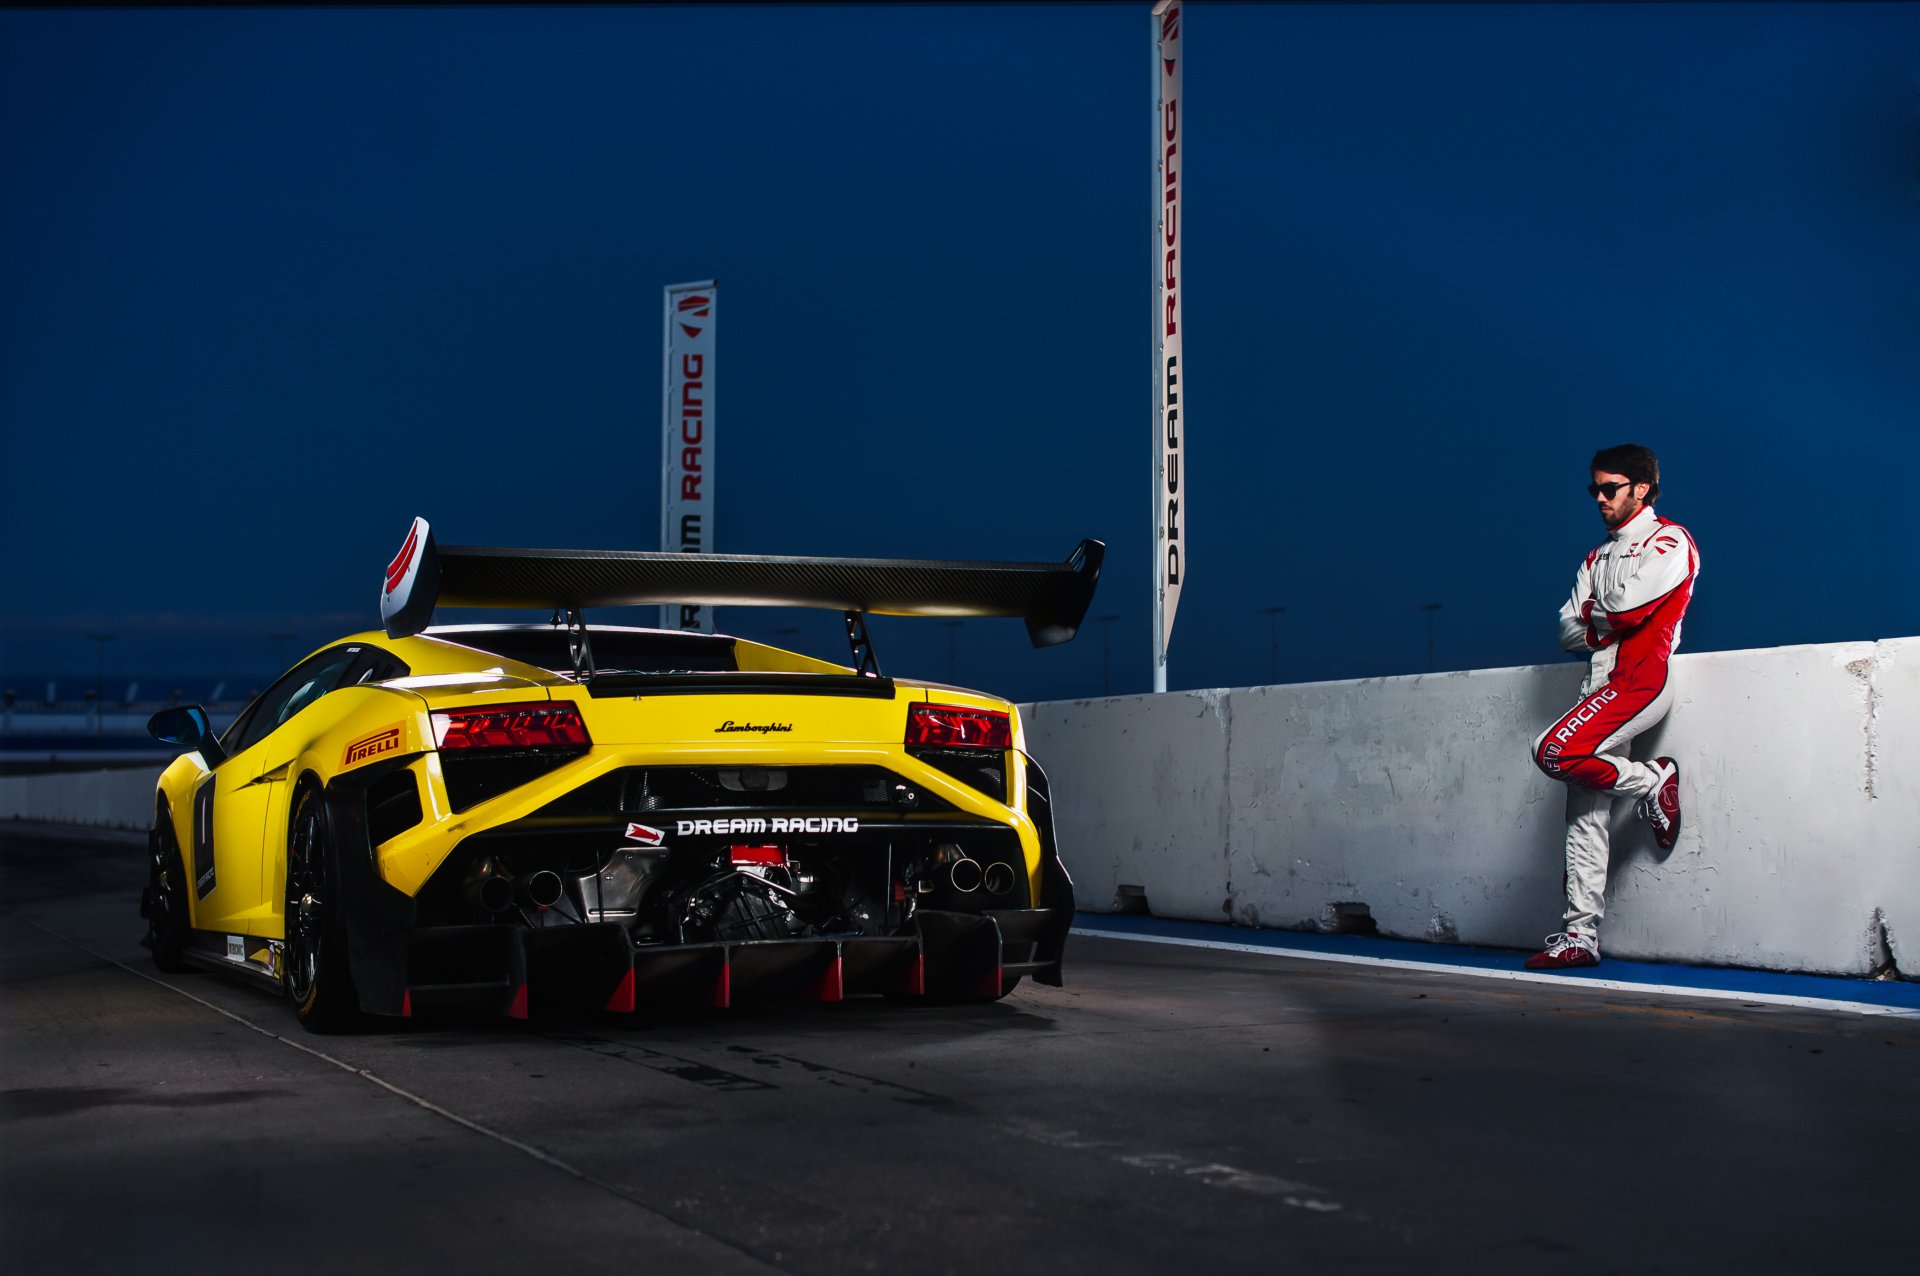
{"x":1593,"y":618}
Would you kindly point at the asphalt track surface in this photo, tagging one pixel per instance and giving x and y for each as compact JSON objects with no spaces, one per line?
{"x":1170,"y":1109}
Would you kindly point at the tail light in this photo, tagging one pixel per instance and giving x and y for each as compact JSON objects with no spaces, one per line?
{"x":541,"y":725}
{"x":946,"y":726}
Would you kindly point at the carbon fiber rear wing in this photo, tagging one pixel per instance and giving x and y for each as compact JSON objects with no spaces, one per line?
{"x":1052,"y":598}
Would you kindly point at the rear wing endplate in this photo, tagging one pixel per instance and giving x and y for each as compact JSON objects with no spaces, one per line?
{"x":1052,"y":598}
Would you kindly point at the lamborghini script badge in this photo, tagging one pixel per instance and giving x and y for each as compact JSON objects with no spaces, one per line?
{"x":758,"y":728}
{"x":368,"y":747}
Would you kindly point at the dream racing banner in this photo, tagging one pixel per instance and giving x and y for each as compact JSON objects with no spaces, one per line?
{"x":686,"y":455}
{"x":1169,"y":567}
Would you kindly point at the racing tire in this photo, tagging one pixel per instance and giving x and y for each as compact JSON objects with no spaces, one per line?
{"x":164,"y":904}
{"x":317,"y":978}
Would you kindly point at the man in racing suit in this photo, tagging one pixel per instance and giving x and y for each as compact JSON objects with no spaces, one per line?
{"x":1624,"y":615}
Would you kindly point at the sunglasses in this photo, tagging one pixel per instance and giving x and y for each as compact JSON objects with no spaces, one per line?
{"x":1605,"y":489}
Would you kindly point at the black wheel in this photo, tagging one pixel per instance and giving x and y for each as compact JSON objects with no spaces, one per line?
{"x":317,"y":978}
{"x":164,"y":904}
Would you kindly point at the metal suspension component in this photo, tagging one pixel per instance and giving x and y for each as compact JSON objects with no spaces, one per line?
{"x":579,"y":646}
{"x":865,"y":662}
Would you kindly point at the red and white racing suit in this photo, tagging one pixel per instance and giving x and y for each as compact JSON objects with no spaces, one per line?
{"x":1624,"y":614}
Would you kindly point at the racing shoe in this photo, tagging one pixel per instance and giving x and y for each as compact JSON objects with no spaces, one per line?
{"x":1566,"y":952}
{"x":1661,"y":808}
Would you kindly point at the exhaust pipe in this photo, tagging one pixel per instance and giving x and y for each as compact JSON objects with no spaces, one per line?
{"x":542,"y":888}
{"x":966,"y":875}
{"x":488,"y":892}
{"x":999,"y":878}
{"x":495,"y":894}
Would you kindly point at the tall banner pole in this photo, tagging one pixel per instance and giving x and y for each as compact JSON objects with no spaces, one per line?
{"x":1169,"y":566}
{"x":686,"y":448}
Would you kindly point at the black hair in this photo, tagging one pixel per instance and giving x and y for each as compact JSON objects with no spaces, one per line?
{"x":1636,"y":462}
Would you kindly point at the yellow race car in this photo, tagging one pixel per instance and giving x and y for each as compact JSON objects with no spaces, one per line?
{"x":558,"y":815}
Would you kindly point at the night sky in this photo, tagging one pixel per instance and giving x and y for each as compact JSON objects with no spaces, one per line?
{"x":274,"y":281}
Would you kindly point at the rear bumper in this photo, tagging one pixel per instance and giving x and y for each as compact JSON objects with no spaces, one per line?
{"x":399,"y":964}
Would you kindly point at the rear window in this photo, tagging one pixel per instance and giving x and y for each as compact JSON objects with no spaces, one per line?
{"x":614,"y":651}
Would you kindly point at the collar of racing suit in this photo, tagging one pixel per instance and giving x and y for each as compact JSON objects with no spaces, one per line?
{"x":1639,"y":522}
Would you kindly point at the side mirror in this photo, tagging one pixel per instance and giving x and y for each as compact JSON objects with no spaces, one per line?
{"x":189,"y":727}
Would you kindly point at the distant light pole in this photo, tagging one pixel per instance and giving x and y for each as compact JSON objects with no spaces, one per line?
{"x":99,"y":642}
{"x":951,"y":626}
{"x":279,"y":642}
{"x":1106,"y":653}
{"x":1273,"y":642}
{"x":1429,"y":608}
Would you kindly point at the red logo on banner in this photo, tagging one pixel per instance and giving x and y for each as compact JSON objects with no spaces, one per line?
{"x":698,"y":305}
{"x":1170,"y":24}
{"x":646,"y":834}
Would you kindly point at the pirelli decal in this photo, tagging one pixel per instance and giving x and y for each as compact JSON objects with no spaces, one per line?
{"x":369,"y":747}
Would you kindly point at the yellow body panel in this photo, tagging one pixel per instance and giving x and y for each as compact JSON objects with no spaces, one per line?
{"x":381,"y":722}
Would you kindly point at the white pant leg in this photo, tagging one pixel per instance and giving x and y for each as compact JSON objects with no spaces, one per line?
{"x":1590,"y":815}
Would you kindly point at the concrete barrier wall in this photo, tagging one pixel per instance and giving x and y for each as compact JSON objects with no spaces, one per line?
{"x":113,"y":799}
{"x":1290,"y":806}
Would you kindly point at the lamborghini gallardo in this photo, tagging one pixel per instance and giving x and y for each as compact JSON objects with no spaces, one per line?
{"x":519,"y":818}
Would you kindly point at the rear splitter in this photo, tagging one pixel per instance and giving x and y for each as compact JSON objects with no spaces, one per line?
{"x":595,"y":967}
